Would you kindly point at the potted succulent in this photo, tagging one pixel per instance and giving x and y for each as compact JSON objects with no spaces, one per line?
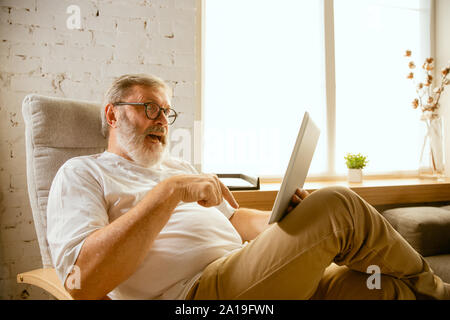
{"x":355,"y":163}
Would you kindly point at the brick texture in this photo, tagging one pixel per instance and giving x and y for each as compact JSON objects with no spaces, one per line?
{"x":39,"y":54}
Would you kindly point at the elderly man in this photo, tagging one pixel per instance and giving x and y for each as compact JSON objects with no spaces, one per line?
{"x":135,"y":223}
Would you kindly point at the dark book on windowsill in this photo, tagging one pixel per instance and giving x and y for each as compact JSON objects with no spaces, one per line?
{"x":239,"y":181}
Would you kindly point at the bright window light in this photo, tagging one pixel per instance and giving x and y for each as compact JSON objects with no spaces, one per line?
{"x":264,"y":66}
{"x":263,"y":69}
{"x":374,"y":115}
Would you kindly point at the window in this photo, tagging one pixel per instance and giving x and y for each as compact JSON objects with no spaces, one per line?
{"x":373,"y":110}
{"x":267,"y":62}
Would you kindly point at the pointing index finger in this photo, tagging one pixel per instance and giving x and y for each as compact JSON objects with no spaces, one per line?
{"x":227,"y":195}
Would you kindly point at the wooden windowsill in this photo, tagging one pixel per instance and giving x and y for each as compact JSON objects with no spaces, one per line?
{"x":376,"y":191}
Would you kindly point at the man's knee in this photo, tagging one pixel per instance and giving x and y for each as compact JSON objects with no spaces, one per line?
{"x":325,"y":205}
{"x":333,"y":190}
{"x":333,"y":195}
{"x":338,"y":201}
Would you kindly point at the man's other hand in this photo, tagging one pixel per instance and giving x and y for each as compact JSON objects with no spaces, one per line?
{"x":297,"y":197}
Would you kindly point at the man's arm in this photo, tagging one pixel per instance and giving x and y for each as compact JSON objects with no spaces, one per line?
{"x":251,"y":222}
{"x":112,"y":254}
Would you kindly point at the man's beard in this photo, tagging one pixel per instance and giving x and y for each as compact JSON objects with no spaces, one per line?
{"x":134,"y":145}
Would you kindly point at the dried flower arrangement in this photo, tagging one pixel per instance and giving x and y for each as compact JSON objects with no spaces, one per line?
{"x":428,"y":98}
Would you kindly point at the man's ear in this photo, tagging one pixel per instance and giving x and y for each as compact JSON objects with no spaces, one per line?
{"x":110,"y":115}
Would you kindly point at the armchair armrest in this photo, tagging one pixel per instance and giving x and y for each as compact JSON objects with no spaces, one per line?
{"x":46,"y":279}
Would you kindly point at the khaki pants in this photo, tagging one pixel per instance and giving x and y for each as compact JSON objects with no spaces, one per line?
{"x":322,"y":250}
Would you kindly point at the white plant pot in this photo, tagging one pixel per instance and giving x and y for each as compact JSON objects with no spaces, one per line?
{"x":355,"y":175}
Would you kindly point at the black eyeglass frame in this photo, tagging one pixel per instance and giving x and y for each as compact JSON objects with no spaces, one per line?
{"x":147,"y":105}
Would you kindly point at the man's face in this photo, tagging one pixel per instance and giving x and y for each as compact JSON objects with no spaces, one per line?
{"x":143,"y":140}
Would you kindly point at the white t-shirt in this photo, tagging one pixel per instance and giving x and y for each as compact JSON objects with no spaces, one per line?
{"x":89,"y":192}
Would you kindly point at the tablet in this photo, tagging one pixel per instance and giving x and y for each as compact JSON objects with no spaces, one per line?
{"x":298,"y":167}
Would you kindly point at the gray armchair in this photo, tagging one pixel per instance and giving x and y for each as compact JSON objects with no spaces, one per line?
{"x":56,"y":129}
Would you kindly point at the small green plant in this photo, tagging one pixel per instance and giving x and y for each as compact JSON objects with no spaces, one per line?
{"x":355,"y":161}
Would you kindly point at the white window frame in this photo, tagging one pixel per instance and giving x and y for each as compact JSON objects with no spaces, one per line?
{"x":330,"y":87}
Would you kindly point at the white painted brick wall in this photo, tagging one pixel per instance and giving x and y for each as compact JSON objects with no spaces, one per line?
{"x":39,"y":54}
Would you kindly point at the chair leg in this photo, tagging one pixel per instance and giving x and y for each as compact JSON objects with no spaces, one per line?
{"x":46,"y":279}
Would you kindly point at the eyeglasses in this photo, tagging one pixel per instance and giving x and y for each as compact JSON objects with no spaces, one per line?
{"x":153,"y":110}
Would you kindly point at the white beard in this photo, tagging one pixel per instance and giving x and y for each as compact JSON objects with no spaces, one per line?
{"x":133,"y":144}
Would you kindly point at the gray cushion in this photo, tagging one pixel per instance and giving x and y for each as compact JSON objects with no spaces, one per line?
{"x":440,"y":265}
{"x":56,"y":129}
{"x":427,"y":229}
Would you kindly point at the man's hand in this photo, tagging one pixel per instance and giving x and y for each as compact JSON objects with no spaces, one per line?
{"x":297,"y":197}
{"x":205,"y":189}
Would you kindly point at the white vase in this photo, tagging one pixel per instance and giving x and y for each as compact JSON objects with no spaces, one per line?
{"x":432,"y":153}
{"x":355,"y":175}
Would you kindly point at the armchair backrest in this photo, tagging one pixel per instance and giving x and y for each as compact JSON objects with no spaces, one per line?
{"x":56,"y":129}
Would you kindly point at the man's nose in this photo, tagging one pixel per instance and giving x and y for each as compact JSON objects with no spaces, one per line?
{"x":161,"y":120}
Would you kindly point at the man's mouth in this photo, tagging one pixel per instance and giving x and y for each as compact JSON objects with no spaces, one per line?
{"x":156,"y":134}
{"x":155,"y":137}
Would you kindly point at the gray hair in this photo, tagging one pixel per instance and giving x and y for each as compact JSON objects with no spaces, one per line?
{"x":123,"y":86}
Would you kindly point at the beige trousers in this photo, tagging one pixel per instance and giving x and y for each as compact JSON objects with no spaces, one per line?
{"x":322,"y":250}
